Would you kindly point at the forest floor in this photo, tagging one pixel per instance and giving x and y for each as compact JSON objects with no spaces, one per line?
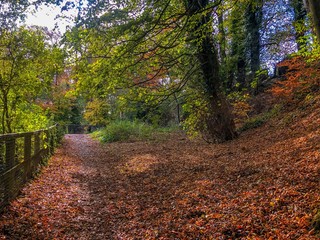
{"x":263,"y":185}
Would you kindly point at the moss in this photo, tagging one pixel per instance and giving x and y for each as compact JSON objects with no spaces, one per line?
{"x":253,"y":123}
{"x":261,"y":119}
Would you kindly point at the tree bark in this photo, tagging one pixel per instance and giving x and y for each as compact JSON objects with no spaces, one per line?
{"x":219,"y":122}
{"x":299,"y":9}
{"x":237,"y":68}
{"x":254,"y":19}
{"x":222,"y":38}
{"x":314,"y":6}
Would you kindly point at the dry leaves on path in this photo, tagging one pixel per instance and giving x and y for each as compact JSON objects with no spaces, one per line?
{"x":264,"y":185}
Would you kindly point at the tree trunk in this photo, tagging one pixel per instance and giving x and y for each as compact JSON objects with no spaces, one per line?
{"x":253,"y":24}
{"x":222,"y":38}
{"x":178,"y":108}
{"x":219,"y":122}
{"x":5,"y":112}
{"x":314,"y":6}
{"x":241,"y":73}
{"x":300,"y":13}
{"x":237,"y":68}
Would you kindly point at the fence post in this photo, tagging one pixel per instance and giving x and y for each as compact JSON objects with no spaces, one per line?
{"x":36,"y":143}
{"x":2,"y":170}
{"x":14,"y":173}
{"x":46,"y":142}
{"x":2,"y":157}
{"x":36,"y":159}
{"x":53,"y":136}
{"x":10,"y":162}
{"x":27,"y":155}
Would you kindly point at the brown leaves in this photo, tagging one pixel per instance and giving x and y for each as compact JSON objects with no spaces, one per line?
{"x":264,"y":185}
{"x":301,"y":78}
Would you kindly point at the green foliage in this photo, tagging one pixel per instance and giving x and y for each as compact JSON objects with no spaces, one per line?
{"x":97,"y":112}
{"x":261,"y":119}
{"x":124,"y":131}
{"x":30,"y":117}
{"x":195,"y":110}
{"x":132,"y":131}
{"x":254,"y":123}
{"x":144,"y":57}
{"x":28,"y":67}
{"x":309,"y":47}
{"x":310,"y":51}
{"x":259,"y":75}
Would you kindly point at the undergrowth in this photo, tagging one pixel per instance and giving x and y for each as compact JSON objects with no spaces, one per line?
{"x":260,"y":119}
{"x":130,"y":131}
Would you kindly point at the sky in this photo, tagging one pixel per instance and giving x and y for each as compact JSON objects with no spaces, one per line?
{"x":45,"y":16}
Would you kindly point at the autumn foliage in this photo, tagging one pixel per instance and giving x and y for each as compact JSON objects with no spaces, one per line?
{"x":264,"y":185}
{"x":301,"y":78}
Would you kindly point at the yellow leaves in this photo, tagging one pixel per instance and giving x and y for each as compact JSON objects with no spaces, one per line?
{"x":241,"y":110}
{"x":274,"y":202}
{"x":303,"y":221}
{"x":214,"y":216}
{"x":138,"y":164}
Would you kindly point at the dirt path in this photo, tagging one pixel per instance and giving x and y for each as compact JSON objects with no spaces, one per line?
{"x":256,"y":187}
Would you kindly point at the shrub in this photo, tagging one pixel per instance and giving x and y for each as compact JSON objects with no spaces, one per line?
{"x":259,"y":120}
{"x":123,"y":131}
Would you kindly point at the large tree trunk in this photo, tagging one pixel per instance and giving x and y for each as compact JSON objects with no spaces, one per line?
{"x":300,"y":13}
{"x":219,"y":122}
{"x":237,"y":68}
{"x":222,"y":38}
{"x":253,"y":24}
{"x":314,"y":6}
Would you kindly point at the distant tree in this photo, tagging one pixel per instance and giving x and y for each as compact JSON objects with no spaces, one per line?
{"x":278,"y":35}
{"x":300,"y":14}
{"x":151,"y":50}
{"x":314,"y":6}
{"x":27,"y":70}
{"x":253,"y":40}
{"x":11,"y":12}
{"x":219,"y":122}
{"x":237,"y":54}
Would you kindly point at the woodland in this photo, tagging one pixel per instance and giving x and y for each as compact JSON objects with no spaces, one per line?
{"x":208,"y":111}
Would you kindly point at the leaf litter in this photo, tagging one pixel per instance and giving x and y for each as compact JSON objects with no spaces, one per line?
{"x":263,"y":185}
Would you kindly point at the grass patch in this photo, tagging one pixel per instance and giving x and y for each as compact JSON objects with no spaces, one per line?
{"x":261,"y":119}
{"x":129,"y":131}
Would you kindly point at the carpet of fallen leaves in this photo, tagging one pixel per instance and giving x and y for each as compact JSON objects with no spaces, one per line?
{"x":263,"y":185}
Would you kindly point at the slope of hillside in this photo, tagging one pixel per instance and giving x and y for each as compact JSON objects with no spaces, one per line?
{"x":263,"y":185}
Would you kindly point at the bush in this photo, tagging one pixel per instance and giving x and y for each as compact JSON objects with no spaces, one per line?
{"x":123,"y":131}
{"x":261,"y":119}
{"x":253,"y":123}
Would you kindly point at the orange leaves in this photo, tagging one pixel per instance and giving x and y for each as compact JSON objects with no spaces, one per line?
{"x":241,"y":108}
{"x":301,"y":78}
{"x":256,"y":187}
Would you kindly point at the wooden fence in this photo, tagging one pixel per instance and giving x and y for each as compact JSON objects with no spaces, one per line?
{"x":21,"y":154}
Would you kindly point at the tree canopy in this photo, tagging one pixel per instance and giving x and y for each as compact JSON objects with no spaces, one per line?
{"x":143,"y":59}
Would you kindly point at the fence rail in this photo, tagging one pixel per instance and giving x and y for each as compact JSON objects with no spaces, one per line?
{"x":20,"y":157}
